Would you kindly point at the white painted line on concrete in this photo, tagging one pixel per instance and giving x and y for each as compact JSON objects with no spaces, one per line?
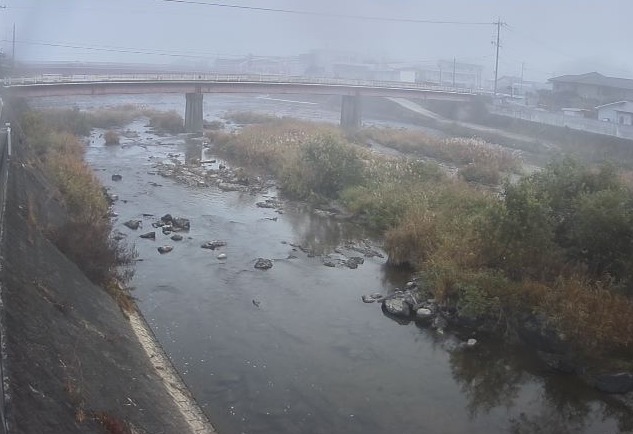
{"x":182,"y":398}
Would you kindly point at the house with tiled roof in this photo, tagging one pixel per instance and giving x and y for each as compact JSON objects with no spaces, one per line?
{"x":592,"y":89}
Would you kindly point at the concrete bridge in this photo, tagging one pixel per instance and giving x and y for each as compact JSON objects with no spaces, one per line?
{"x":194,"y":86}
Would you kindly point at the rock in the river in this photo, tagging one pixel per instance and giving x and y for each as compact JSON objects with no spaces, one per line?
{"x":167,"y":230}
{"x":471,"y":342}
{"x":117,"y":177}
{"x":167,"y":218}
{"x":176,"y":237}
{"x":263,"y":264}
{"x":165,"y":249}
{"x":397,"y":307}
{"x":149,"y":235}
{"x":328,"y":262}
{"x":133,"y":224}
{"x":266,"y":204}
{"x":621,"y":382}
{"x":354,"y":262}
{"x":212,"y":245}
{"x":424,"y":314}
{"x":222,"y":256}
{"x":181,"y":223}
{"x":368,"y":299}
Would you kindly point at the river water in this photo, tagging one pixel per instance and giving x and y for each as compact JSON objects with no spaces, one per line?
{"x":293,"y":348}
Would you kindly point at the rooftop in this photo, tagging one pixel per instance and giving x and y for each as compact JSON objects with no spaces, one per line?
{"x":596,"y":79}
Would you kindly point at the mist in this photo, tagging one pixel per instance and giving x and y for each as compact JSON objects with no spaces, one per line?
{"x":544,"y":38}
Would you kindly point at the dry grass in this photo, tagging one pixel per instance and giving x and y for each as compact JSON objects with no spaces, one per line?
{"x":85,"y":238}
{"x":591,"y":314}
{"x":114,"y":116}
{"x":167,"y":122}
{"x":479,"y":160}
{"x":112,"y":424}
{"x":247,"y":118}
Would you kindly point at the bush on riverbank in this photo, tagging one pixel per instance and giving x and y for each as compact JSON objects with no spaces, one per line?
{"x":85,"y":238}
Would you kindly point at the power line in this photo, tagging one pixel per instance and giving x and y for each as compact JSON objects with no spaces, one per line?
{"x":326,"y":14}
{"x":111,"y":49}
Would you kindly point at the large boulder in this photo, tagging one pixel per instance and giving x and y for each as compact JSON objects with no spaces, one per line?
{"x":621,"y":382}
{"x":398,"y":307}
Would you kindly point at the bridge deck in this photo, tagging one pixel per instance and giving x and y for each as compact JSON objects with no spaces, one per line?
{"x":54,"y":85}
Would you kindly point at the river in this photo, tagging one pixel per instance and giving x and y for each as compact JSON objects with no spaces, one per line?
{"x":293,"y":349}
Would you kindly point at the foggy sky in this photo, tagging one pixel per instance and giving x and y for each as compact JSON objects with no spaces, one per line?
{"x":549,"y":37}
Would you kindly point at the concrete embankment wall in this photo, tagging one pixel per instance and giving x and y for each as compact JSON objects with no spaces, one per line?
{"x":73,"y":362}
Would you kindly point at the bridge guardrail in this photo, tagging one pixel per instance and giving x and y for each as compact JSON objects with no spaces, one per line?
{"x":44,"y":79}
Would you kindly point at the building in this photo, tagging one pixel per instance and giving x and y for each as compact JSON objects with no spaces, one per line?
{"x":451,"y":73}
{"x":576,"y":112}
{"x":620,"y":112}
{"x":591,"y":89}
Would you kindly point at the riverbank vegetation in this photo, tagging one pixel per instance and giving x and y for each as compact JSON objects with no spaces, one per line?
{"x":557,"y":243}
{"x":51,"y":137}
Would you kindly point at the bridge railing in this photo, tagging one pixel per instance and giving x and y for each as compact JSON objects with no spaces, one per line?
{"x":45,"y":79}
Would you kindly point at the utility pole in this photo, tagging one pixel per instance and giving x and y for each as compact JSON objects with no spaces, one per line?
{"x":498,"y":24}
{"x":13,"y":52}
{"x":454,"y":64}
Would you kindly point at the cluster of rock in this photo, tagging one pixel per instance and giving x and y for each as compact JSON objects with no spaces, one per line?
{"x":341,"y":260}
{"x":166,"y":223}
{"x":412,"y":304}
{"x":208,"y":173}
{"x":409,"y":303}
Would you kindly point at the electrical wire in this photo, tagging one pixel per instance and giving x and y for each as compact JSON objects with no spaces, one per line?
{"x":326,"y":14}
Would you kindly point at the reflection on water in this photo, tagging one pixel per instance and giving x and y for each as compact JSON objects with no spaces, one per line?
{"x":495,"y":374}
{"x":311,"y":357}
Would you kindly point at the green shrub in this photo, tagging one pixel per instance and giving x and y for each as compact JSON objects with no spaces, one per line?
{"x":327,"y":165}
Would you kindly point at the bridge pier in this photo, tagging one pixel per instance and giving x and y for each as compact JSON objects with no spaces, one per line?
{"x":194,"y":112}
{"x":351,"y":112}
